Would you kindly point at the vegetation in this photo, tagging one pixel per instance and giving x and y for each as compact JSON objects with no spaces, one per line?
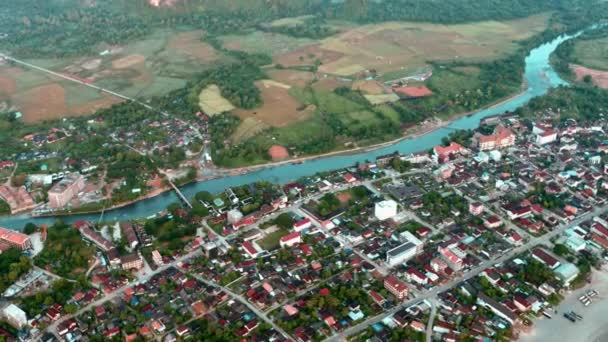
{"x":64,"y":253}
{"x":580,"y":102}
{"x":60,"y":292}
{"x":13,"y":264}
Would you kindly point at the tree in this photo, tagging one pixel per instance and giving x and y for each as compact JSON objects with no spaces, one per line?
{"x":70,"y":308}
{"x":560,"y":249}
{"x":284,"y":221}
{"x":19,"y":180}
{"x":29,"y":228}
{"x":588,"y":79}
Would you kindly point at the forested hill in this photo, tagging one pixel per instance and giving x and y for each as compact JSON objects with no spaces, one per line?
{"x":72,"y":27}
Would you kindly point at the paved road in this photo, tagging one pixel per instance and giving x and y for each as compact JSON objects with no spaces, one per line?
{"x":468,"y":275}
{"x":429,"y":326}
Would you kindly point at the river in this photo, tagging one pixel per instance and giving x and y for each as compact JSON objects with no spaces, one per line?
{"x":539,"y":77}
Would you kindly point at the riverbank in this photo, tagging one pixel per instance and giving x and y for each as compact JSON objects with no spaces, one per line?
{"x":592,"y":328}
{"x":420,"y":131}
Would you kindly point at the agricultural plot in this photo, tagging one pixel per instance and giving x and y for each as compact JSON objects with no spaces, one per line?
{"x":392,"y":46}
{"x":592,"y":53}
{"x":153,"y":66}
{"x":212,"y":102}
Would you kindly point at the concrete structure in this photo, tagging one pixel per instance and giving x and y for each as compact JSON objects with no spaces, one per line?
{"x":566,"y":272}
{"x":545,"y":258}
{"x":66,"y":189}
{"x":88,"y":233}
{"x":290,"y":239}
{"x":128,"y":233}
{"x":385,"y":210}
{"x":453,"y":257}
{"x":15,"y":316}
{"x":498,"y":309}
{"x":545,"y":136}
{"x":157,"y":258}
{"x":405,"y":251}
{"x":502,"y":138}
{"x":476,"y":208}
{"x":15,"y":239}
{"x":396,"y":287}
{"x":132,"y":262}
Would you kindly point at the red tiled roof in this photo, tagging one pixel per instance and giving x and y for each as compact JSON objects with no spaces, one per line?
{"x":414,"y":91}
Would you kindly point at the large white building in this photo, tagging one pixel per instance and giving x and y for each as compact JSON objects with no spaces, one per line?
{"x":15,"y":316}
{"x":407,"y":250}
{"x":385,"y":210}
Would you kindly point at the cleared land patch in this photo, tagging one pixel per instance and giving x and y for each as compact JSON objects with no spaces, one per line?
{"x":212,"y":102}
{"x":292,"y":77}
{"x":279,"y":108}
{"x":599,"y":77}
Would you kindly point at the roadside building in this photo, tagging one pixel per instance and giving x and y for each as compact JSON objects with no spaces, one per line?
{"x":475,"y":208}
{"x":567,"y":272}
{"x":545,"y":258}
{"x":132,"y":261}
{"x":290,"y":239}
{"x":66,"y":189}
{"x":396,"y":287}
{"x":128,"y":233}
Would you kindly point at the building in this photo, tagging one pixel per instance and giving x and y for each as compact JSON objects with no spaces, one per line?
{"x":290,"y":239}
{"x":128,"y":233}
{"x":385,"y":210}
{"x":301,"y":225}
{"x":502,"y":138}
{"x":544,"y":136}
{"x":15,"y":316}
{"x":567,"y":272}
{"x":15,"y":239}
{"x":66,"y":189}
{"x":85,"y":229}
{"x":132,"y":262}
{"x":405,"y":251}
{"x":453,"y":257}
{"x":545,"y":258}
{"x":498,"y":309}
{"x":157,"y":258}
{"x":442,"y":154}
{"x":475,"y":208}
{"x":396,"y":287}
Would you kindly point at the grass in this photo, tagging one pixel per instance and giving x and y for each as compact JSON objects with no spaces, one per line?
{"x":271,"y":241}
{"x":592,"y":53}
{"x":263,"y":42}
{"x":5,"y":209}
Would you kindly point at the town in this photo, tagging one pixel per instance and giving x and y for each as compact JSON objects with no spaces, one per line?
{"x":480,"y":238}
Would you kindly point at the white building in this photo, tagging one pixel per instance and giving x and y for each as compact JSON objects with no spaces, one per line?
{"x":234,"y":216}
{"x":385,"y":210}
{"x":405,"y":251}
{"x":15,"y":316}
{"x":546,"y":136}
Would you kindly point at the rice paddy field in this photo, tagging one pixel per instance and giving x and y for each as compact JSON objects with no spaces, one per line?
{"x":592,"y":53}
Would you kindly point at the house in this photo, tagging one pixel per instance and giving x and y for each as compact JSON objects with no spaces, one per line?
{"x":290,"y":239}
{"x":475,"y":208}
{"x":416,"y":276}
{"x":502,"y":138}
{"x":497,"y":308}
{"x":515,"y":212}
{"x":567,"y":272}
{"x":302,"y":225}
{"x":545,"y":258}
{"x":396,"y":287}
{"x":492,"y":222}
{"x":132,"y":261}
{"x":250,"y":249}
{"x":545,"y":136}
{"x":128,"y":232}
{"x":442,"y":154}
{"x":453,"y":257}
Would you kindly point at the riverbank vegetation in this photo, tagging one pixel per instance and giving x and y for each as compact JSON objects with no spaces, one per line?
{"x":13,"y":264}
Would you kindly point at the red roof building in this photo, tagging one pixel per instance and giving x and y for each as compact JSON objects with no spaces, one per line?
{"x":502,"y":137}
{"x":290,"y":239}
{"x":396,"y":287}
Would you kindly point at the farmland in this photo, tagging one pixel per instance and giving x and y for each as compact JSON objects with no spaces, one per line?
{"x":592,"y":53}
{"x":161,"y":62}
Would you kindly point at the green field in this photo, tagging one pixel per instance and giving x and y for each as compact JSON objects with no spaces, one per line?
{"x":592,"y":53}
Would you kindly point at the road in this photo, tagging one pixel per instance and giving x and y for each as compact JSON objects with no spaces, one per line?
{"x":468,"y":275}
{"x":429,"y":326}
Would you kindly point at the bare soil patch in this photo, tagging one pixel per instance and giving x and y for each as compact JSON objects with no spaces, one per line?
{"x":369,"y":87}
{"x":599,"y":77}
{"x":279,"y":107}
{"x":307,"y":56}
{"x":292,"y":77}
{"x":42,"y":103}
{"x":212,"y":102}
{"x":128,"y":61}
